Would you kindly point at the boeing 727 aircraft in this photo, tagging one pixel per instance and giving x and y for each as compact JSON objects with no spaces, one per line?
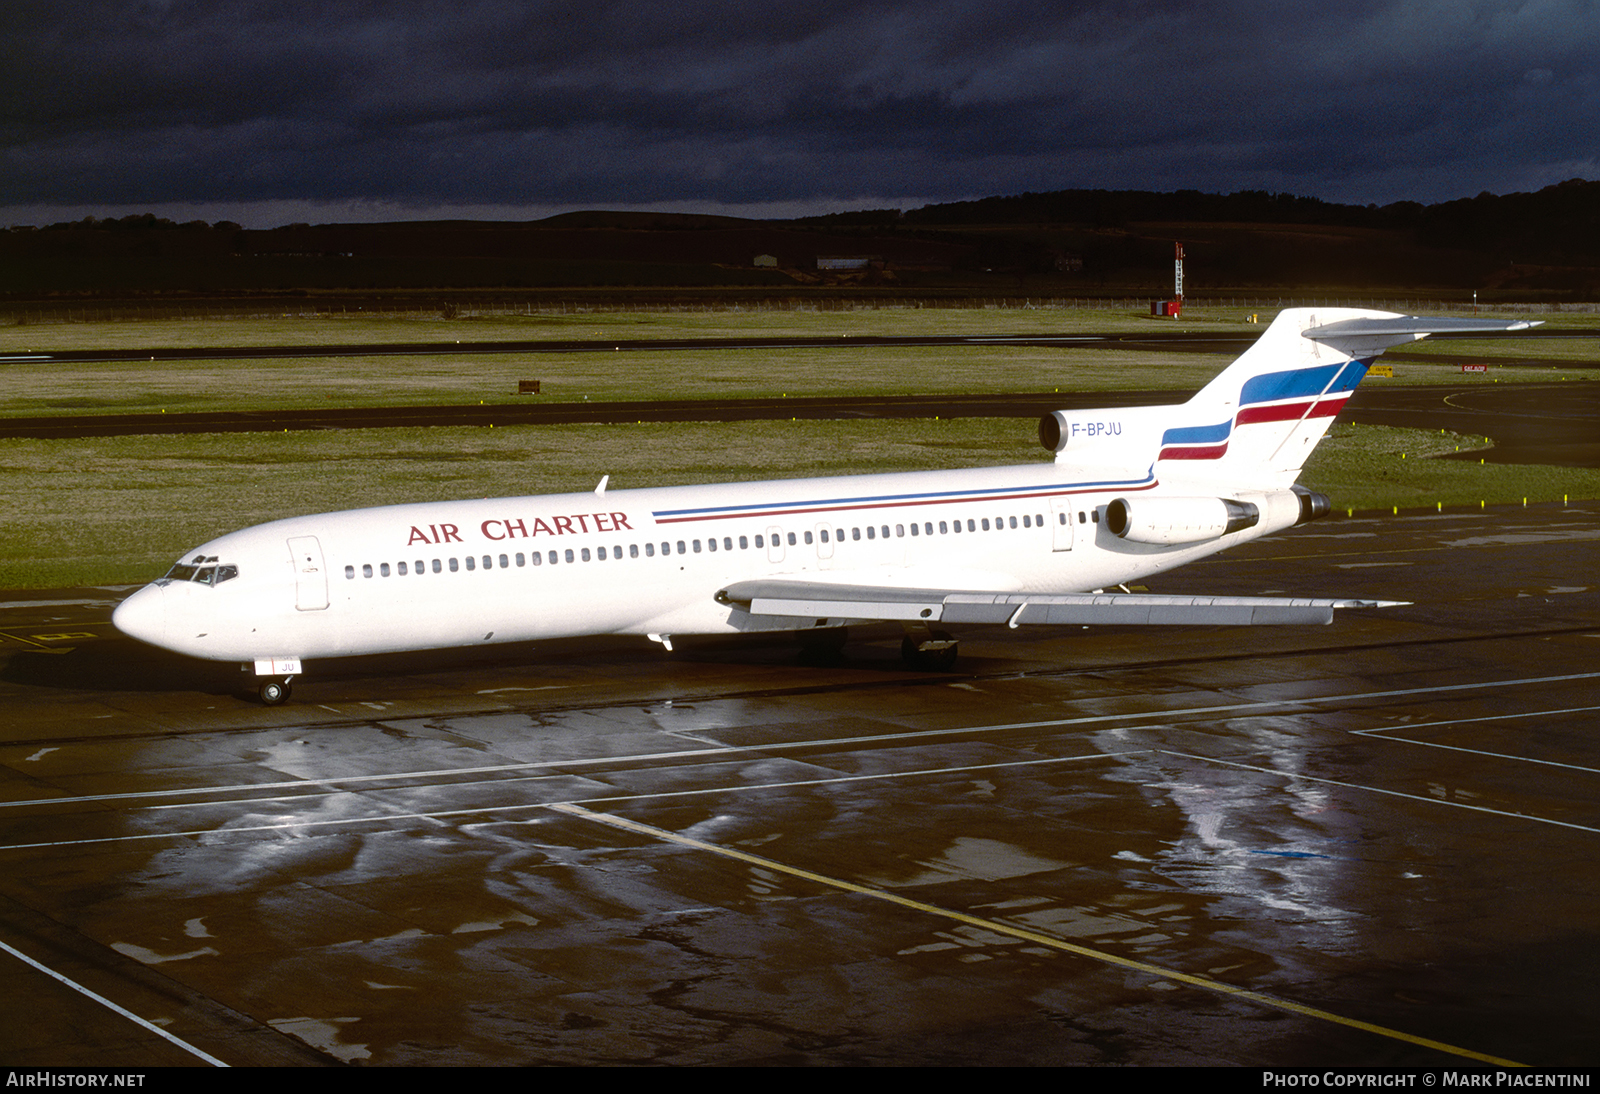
{"x":1132,"y":492}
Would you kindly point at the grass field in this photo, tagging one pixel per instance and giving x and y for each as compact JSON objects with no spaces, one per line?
{"x":116,"y":510}
{"x":429,"y":379}
{"x":122,"y":509}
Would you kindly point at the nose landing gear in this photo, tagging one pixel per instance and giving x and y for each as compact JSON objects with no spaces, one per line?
{"x":276,"y":691}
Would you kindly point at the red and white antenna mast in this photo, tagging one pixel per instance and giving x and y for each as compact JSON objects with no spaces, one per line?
{"x":1177,"y":279}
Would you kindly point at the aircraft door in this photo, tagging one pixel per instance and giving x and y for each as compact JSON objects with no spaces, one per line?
{"x":310,"y":575}
{"x":824,"y":533}
{"x":1061,"y":524}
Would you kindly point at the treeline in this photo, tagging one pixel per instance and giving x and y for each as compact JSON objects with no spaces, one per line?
{"x":1558,"y":224}
{"x":135,"y":222}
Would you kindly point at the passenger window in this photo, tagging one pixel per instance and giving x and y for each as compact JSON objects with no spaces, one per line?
{"x":585,"y":555}
{"x":616,"y":551}
{"x":808,"y":536}
{"x":383,"y":568}
{"x":915,"y":530}
{"x":649,"y":550}
{"x":504,"y":562}
{"x":824,"y":535}
{"x":553,"y":557}
{"x":472,"y":564}
{"x":727,"y":543}
{"x":521,"y":559}
{"x":400,"y":568}
{"x":349,"y":573}
{"x":928,"y":528}
{"x":744,"y":543}
{"x":455,"y":566}
{"x":681,"y":549}
{"x":791,"y":539}
{"x":366,"y":569}
{"x":1094,"y":516}
{"x":1083,"y":518}
{"x":570,"y":557}
{"x":600,"y":552}
{"x":633,"y":550}
{"x":942,"y":529}
{"x":435,"y":565}
{"x":899,"y":530}
{"x":538,"y":558}
{"x":872,"y":533}
{"x":1013,"y":522}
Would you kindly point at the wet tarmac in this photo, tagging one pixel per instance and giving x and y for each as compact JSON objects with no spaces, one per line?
{"x":1370,"y":843}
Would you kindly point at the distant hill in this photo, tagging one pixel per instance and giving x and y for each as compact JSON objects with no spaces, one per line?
{"x":1066,"y":242}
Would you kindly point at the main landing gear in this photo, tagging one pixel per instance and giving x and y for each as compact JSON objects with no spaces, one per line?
{"x":929,"y":650}
{"x":823,"y":646}
{"x":276,"y":690}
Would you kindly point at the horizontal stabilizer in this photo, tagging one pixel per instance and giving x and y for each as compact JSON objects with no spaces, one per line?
{"x":1372,"y":335}
{"x":804,"y":598}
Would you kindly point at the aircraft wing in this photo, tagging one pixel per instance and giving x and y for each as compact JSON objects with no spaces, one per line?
{"x":793,"y":598}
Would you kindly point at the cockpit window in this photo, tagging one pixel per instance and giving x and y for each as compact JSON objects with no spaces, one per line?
{"x":203,"y":570}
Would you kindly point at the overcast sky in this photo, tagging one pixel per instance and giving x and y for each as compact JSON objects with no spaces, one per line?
{"x":271,"y":111}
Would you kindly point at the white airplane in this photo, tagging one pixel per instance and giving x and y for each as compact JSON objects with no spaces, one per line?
{"x":1132,"y":492}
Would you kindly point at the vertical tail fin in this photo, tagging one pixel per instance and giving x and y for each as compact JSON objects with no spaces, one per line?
{"x":1255,"y":424}
{"x":1259,"y":420}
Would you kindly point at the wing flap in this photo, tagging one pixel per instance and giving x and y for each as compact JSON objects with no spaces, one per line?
{"x":804,"y":598}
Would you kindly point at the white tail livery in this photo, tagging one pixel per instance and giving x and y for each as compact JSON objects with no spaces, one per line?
{"x":1132,"y":492}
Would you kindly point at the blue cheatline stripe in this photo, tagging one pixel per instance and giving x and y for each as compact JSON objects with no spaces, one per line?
{"x":1293,"y":384}
{"x":1323,"y":380}
{"x":1198,"y":434}
{"x":995,"y":494}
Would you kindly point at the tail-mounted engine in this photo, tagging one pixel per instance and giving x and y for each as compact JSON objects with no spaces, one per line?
{"x":1169,"y":521}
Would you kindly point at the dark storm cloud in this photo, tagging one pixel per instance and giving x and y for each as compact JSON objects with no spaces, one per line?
{"x":424,"y":105}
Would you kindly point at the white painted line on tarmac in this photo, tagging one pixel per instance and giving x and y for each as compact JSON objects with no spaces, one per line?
{"x":1387,"y":734}
{"x":103,"y":1001}
{"x":1295,"y":775}
{"x":1049,"y":941}
{"x":1162,"y":716}
{"x":440,"y":816}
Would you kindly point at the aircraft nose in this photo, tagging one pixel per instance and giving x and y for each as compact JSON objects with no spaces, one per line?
{"x":143,"y":616}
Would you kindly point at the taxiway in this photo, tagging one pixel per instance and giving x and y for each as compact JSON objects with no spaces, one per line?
{"x":1366,"y":843}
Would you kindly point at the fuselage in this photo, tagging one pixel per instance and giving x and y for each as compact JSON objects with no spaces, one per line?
{"x":436,"y":575}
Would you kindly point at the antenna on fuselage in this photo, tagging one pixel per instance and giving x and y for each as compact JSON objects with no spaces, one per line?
{"x":601,"y":489}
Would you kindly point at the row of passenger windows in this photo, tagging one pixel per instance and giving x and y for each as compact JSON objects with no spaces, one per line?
{"x":711,"y":544}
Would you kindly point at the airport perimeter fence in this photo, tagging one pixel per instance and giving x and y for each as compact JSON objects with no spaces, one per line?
{"x":440,"y":309}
